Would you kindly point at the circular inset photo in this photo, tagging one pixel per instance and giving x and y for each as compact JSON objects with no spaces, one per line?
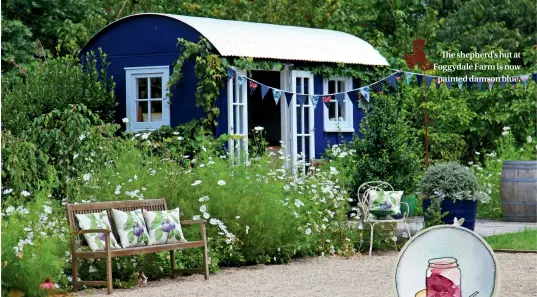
{"x":446,"y":260}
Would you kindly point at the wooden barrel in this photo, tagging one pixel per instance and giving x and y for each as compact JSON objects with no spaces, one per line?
{"x":518,"y":191}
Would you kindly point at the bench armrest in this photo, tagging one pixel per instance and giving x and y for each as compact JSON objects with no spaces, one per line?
{"x":192,"y":222}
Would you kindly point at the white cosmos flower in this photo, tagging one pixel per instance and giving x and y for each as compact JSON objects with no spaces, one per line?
{"x":75,"y":156}
{"x":204,"y":198}
{"x":7,"y":191}
{"x":197,"y":182}
{"x":25,"y":193}
{"x":145,"y":136}
{"x":203,"y":208}
{"x":505,"y":132}
{"x":125,"y":120}
{"x":196,"y":217}
{"x":221,"y":182}
{"x":237,"y":217}
{"x":333,"y":170}
{"x":528,"y":139}
{"x":247,"y":229}
{"x":86,"y":177}
{"x":308,"y":231}
{"x":82,"y":136}
{"x":286,"y":187}
{"x":259,"y":128}
{"x":175,"y":133}
{"x":478,"y":153}
{"x":180,"y":138}
{"x":298,"y":203}
{"x":206,"y":215}
{"x":506,"y":128}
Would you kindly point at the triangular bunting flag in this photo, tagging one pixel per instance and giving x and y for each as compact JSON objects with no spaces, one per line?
{"x":253,"y":86}
{"x":392,"y":81}
{"x":230,"y":73}
{"x":326,"y":100}
{"x":398,"y":76}
{"x":288,"y":97}
{"x":502,"y":83}
{"x":460,"y":85}
{"x":301,"y":99}
{"x":377,"y":87}
{"x":353,"y":96}
{"x":479,"y":85}
{"x":276,"y":94}
{"x":365,"y":93}
{"x":534,"y":76}
{"x":409,"y":77}
{"x":314,"y":100}
{"x":428,"y":79}
{"x":419,"y":78}
{"x":241,"y":79}
{"x":469,"y":85}
{"x":448,"y":84}
{"x":490,"y":83}
{"x":340,"y":97}
{"x":524,"y":80}
{"x":264,"y":91}
{"x":438,"y":82}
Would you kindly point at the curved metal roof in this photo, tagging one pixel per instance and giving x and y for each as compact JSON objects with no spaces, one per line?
{"x":258,"y":40}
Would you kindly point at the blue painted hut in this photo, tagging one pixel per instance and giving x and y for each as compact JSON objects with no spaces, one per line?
{"x":142,"y":48}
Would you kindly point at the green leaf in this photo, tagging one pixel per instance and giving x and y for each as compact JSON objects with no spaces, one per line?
{"x":177,"y":235}
{"x":159,"y":234}
{"x":130,"y":236}
{"x":130,"y":222}
{"x":98,"y":241}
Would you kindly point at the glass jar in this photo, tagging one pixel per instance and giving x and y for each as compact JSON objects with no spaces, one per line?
{"x":443,"y":278}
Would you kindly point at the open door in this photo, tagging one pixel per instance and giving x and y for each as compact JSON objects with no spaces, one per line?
{"x":302,"y":122}
{"x":237,"y":100}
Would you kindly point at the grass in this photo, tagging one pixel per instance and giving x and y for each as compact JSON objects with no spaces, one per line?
{"x":524,"y":240}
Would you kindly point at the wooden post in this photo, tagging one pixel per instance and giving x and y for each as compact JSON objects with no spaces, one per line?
{"x":426,"y":121}
{"x":172,"y":263}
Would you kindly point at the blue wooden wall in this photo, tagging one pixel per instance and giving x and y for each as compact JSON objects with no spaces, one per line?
{"x":151,"y":40}
{"x":325,"y":139}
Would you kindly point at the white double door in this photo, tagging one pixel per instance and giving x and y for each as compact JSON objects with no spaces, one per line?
{"x":297,"y":120}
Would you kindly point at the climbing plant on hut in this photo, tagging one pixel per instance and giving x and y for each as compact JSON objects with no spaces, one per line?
{"x":210,"y":69}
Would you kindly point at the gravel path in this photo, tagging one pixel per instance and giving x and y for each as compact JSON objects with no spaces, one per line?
{"x":335,"y":276}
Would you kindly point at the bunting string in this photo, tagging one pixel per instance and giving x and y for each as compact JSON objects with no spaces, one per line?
{"x":392,"y":79}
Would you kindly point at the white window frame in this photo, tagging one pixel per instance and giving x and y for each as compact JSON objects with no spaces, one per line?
{"x":347,"y":124}
{"x":131,"y":73}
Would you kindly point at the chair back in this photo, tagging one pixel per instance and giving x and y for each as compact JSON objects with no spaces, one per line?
{"x":365,"y":189}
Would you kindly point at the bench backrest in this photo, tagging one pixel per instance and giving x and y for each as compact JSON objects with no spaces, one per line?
{"x":96,"y":207}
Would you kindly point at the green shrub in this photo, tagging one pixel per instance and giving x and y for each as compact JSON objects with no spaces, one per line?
{"x":24,"y":166}
{"x":75,"y":140}
{"x":34,"y":243}
{"x":388,"y":151}
{"x":54,"y":85}
{"x":451,"y":181}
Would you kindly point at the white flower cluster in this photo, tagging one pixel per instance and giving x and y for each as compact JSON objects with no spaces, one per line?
{"x":230,"y":237}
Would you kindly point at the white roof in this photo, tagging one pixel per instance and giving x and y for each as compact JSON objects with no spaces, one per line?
{"x":257,"y":40}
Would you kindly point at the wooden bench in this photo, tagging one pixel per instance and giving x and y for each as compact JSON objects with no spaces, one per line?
{"x":77,"y":239}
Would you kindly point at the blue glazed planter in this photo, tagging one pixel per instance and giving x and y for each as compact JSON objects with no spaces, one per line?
{"x":466,"y":209}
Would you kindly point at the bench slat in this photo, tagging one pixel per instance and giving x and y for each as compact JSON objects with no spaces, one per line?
{"x":140,"y":250}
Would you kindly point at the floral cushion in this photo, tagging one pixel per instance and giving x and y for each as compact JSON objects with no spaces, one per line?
{"x":96,"y":241}
{"x":385,"y":201}
{"x":130,"y":227}
{"x":164,"y":226}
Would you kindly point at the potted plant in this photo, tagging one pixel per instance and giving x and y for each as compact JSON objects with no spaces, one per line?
{"x":456,"y":189}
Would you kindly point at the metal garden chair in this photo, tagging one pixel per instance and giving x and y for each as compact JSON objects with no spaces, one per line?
{"x":363,"y":203}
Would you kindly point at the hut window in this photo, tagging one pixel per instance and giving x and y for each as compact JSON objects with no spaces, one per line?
{"x":147,"y":105}
{"x":338,"y":117}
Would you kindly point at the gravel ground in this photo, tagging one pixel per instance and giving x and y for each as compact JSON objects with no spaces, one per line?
{"x":335,"y":276}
